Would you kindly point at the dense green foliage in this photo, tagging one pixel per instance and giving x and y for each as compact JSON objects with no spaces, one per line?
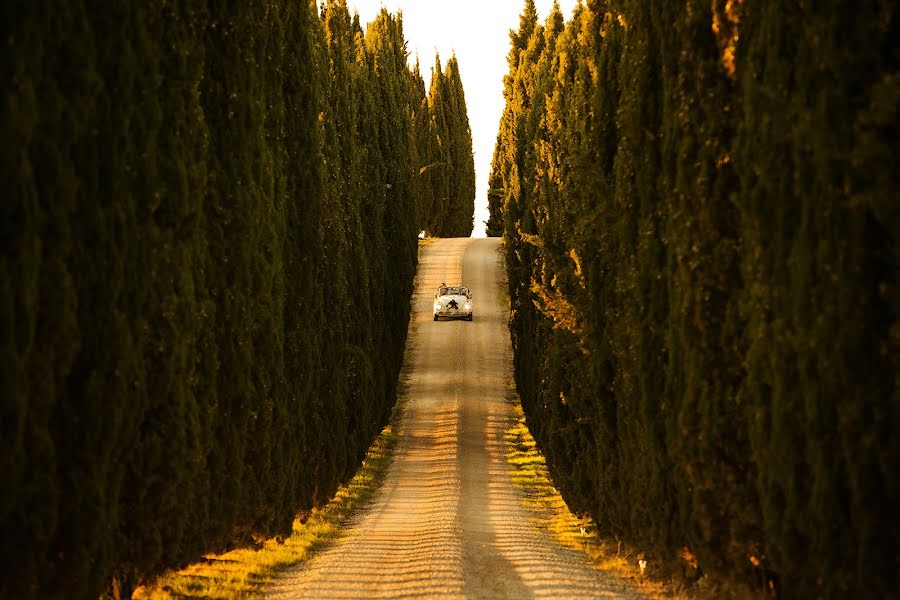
{"x":209,"y":226}
{"x":699,"y":205}
{"x":448,"y":171}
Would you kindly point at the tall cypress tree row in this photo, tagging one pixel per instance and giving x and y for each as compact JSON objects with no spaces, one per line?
{"x":820,"y":269}
{"x":557,"y":290}
{"x":641,"y":280}
{"x":303,"y":179}
{"x":505,"y":163}
{"x":513,"y":148}
{"x":494,"y":224}
{"x":421,"y":147}
{"x":451,"y":170}
{"x":399,"y":224}
{"x":704,"y":349}
{"x":209,"y":242}
{"x":439,"y":166}
{"x":703,"y":282}
{"x":344,"y":260}
{"x":461,"y":161}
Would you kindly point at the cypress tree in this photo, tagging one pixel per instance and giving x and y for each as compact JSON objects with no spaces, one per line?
{"x":818,"y":265}
{"x":494,"y":224}
{"x":438,"y":100}
{"x":450,"y":171}
{"x":519,"y":228}
{"x":209,"y":248}
{"x":684,"y":232}
{"x":420,"y":147}
{"x":503,"y":159}
{"x":398,"y":224}
{"x":461,"y":160}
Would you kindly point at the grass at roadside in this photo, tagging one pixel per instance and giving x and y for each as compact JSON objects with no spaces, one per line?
{"x":529,"y":472}
{"x":549,"y":511}
{"x":244,"y":573}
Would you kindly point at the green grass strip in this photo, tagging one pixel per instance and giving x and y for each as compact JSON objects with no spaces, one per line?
{"x":243,"y":573}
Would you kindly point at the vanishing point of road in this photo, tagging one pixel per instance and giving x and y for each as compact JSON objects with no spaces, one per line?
{"x":448,"y":521}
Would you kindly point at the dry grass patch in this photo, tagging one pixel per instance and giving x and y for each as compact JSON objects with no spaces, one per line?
{"x":549,"y":512}
{"x":244,"y":573}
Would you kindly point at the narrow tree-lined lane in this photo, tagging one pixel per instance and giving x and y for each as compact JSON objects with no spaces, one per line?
{"x":448,"y":520}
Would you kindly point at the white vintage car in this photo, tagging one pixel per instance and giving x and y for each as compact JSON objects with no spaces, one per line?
{"x":454,"y":302}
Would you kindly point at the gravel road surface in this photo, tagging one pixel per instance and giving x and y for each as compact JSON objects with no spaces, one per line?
{"x":448,"y":521}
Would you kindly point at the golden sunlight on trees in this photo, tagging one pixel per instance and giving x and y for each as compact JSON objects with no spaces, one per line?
{"x":699,"y":207}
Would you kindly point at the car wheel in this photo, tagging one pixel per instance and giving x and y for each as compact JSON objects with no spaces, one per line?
{"x":469,"y":318}
{"x":435,"y":317}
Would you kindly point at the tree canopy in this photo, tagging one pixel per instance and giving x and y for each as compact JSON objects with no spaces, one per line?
{"x":209,"y":242}
{"x":698,"y":204}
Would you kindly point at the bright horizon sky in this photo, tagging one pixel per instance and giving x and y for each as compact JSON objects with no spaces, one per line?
{"x":478,"y":32}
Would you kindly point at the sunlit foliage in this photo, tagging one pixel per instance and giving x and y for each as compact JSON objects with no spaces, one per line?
{"x":699,"y":206}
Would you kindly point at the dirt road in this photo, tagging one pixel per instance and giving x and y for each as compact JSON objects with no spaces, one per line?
{"x":448,"y":521}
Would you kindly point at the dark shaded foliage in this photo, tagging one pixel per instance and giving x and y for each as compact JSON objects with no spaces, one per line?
{"x":699,"y":209}
{"x":209,"y":226}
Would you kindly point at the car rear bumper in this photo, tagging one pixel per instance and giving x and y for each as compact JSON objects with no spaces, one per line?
{"x":452,"y":314}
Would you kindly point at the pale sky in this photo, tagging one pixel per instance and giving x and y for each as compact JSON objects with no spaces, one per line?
{"x":478,"y":31}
